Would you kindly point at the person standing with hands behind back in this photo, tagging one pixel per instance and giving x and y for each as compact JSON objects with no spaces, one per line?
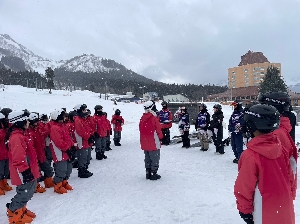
{"x":150,"y":135}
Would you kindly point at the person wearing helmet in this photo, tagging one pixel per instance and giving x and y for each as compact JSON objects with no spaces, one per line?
{"x":117,"y":122}
{"x":263,"y":188}
{"x":184,"y":127}
{"x":100,"y":133}
{"x":281,"y":101}
{"x":24,"y":174}
{"x":63,"y":149}
{"x":36,"y":139}
{"x":150,"y":135}
{"x":165,"y":119}
{"x":216,"y":127}
{"x":236,"y":122}
{"x":201,"y":125}
{"x":82,"y":134}
{"x":4,"y":166}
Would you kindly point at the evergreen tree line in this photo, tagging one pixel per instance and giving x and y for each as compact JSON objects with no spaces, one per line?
{"x":23,"y":78}
{"x":115,"y":82}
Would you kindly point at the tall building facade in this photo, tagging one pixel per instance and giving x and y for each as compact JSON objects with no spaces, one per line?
{"x":250,"y":71}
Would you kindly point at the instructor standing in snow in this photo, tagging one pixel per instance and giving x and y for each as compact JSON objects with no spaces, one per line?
{"x":150,"y":135}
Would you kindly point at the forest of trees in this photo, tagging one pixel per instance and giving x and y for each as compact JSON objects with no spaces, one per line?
{"x":116,"y":81}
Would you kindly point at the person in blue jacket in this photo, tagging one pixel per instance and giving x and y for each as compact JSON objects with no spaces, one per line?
{"x":236,"y":122}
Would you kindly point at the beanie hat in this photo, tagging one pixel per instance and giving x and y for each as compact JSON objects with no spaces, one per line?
{"x":19,"y":119}
{"x":150,"y":105}
{"x":57,"y":115}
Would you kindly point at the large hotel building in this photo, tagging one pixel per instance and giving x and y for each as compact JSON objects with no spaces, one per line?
{"x":250,"y":70}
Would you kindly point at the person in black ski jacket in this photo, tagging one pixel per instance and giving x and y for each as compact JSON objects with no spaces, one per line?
{"x":217,"y":128}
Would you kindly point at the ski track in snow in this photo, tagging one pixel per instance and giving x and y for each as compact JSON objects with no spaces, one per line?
{"x":196,"y":187}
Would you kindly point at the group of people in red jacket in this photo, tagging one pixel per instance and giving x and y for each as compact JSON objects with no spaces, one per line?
{"x":33,"y":149}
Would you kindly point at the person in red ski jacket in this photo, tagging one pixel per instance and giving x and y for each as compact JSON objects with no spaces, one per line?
{"x":37,"y":137}
{"x":263,"y":188}
{"x":150,"y":135}
{"x":92,"y":125}
{"x":83,"y":135}
{"x":44,"y":128}
{"x":282,"y":102}
{"x":23,"y":166}
{"x":63,"y":150}
{"x":109,"y":132}
{"x":4,"y":170}
{"x":101,"y":133}
{"x":117,"y":122}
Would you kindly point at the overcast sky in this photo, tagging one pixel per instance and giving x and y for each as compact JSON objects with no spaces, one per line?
{"x":187,"y":41}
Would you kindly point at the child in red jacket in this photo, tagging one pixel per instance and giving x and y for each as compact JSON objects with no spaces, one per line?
{"x":150,"y":135}
{"x":263,"y":188}
{"x":117,"y":121}
{"x":4,"y":170}
{"x":23,"y":166}
{"x":109,"y":132}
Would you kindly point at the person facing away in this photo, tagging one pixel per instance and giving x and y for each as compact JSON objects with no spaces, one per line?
{"x":236,"y":122}
{"x":263,"y":188}
{"x":201,"y":125}
{"x":281,"y":101}
{"x":117,"y":122}
{"x":150,"y":135}
{"x":216,"y":127}
{"x":165,"y":119}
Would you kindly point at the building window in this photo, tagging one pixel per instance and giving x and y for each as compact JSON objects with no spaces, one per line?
{"x":246,"y":84}
{"x":246,"y":70}
{"x":256,"y":78}
{"x":233,"y":72}
{"x":255,"y":69}
{"x":246,"y":75}
{"x":262,"y":73}
{"x":262,"y":68}
{"x":256,"y":84}
{"x":246,"y":80}
{"x":233,"y":77}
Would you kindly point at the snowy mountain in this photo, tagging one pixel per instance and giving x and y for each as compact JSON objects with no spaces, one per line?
{"x":295,"y":88}
{"x":33,"y":62}
{"x":83,"y":63}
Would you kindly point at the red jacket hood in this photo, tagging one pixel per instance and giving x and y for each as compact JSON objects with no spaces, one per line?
{"x":147,"y":116}
{"x":285,"y":123}
{"x":266,"y":145}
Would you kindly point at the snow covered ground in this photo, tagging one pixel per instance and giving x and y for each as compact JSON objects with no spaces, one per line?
{"x":196,"y":187}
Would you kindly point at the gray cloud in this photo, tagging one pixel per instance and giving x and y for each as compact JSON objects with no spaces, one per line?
{"x":172,"y":41}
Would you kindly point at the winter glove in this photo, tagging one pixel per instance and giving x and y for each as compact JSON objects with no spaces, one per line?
{"x":248,"y":218}
{"x":110,"y":132}
{"x":96,"y":135}
{"x":91,"y":140}
{"x":27,"y":176}
{"x":71,"y":153}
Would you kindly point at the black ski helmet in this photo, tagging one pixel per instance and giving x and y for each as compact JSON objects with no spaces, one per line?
{"x":98,"y":107}
{"x":217,"y":106}
{"x":6,"y":111}
{"x":203,"y":105}
{"x":262,"y":117}
{"x":280,"y":100}
{"x":164,"y":103}
{"x":117,"y":112}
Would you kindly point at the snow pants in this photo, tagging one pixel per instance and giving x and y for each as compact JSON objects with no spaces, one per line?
{"x":24,"y":194}
{"x":117,"y":136}
{"x":82,"y":156}
{"x":218,"y":138}
{"x":4,"y":169}
{"x":185,"y":139}
{"x":152,"y":159}
{"x":63,"y":170}
{"x":237,"y":144}
{"x":48,"y":154}
{"x":46,"y":168}
{"x":203,"y":137}
{"x":166,"y":138}
{"x":89,"y":155}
